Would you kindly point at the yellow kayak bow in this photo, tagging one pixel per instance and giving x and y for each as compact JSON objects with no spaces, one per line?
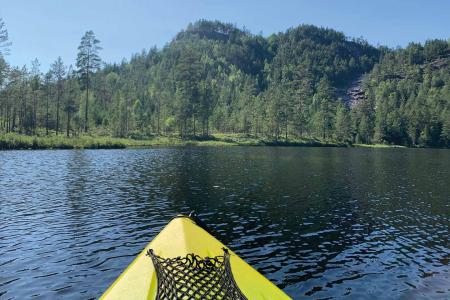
{"x":180,"y":239}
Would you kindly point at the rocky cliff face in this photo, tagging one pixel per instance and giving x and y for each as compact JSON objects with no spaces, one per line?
{"x":353,"y":93}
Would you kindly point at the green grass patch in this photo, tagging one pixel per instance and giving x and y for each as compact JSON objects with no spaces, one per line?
{"x":12,"y":141}
{"x":15,"y":141}
{"x":378,"y":146}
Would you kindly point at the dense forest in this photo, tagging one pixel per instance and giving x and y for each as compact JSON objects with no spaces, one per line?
{"x":213,"y":77}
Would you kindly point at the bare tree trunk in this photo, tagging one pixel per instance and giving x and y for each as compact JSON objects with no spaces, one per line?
{"x":86,"y":104}
{"x":46,"y":112}
{"x":68,"y":123}
{"x":34,"y":113}
{"x":126,"y":117}
{"x":194,"y":124}
{"x":57,"y":110}
{"x":286,"y":129}
{"x":8,"y":125}
{"x":159,"y":113}
{"x":13,"y":123}
{"x":24,"y":114}
{"x":2,"y":115}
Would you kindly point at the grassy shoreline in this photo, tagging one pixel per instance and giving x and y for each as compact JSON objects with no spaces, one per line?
{"x":13,"y":141}
{"x":377,"y":146}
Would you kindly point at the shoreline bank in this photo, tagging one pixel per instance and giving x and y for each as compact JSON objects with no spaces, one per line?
{"x":24,"y":142}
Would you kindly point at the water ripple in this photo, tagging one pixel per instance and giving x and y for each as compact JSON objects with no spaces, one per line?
{"x":320,"y":223}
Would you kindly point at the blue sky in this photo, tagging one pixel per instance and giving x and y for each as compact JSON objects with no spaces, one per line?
{"x":47,"y":29}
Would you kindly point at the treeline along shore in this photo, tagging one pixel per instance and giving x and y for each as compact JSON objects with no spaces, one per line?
{"x":216,"y":84}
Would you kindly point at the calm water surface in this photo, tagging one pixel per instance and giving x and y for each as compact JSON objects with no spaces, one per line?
{"x":320,"y":223}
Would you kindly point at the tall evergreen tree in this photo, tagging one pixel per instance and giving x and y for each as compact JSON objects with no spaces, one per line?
{"x":58,"y":70}
{"x":4,"y":39}
{"x":88,"y":60}
{"x":187,"y":89}
{"x":35,"y":91}
{"x":47,"y":83}
{"x":72,"y":88}
{"x":343,"y":123}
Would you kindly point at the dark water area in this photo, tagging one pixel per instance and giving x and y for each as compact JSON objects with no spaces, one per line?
{"x":321,"y":223}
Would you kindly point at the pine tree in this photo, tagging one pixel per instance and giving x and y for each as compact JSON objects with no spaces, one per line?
{"x":4,"y":39}
{"x":88,"y":61}
{"x":47,"y":82}
{"x":71,"y":95}
{"x":59,"y":71}
{"x":35,"y":89}
{"x":187,"y":89}
{"x":343,"y":123}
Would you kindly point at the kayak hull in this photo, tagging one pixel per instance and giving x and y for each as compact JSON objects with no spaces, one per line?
{"x":179,"y":238}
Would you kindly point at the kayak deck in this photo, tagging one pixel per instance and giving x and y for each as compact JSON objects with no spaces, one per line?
{"x":180,"y":238}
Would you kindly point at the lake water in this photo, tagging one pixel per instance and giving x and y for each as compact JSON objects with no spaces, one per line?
{"x":319,"y":222}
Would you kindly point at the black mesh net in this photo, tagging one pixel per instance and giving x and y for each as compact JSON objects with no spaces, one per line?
{"x":193,"y":277}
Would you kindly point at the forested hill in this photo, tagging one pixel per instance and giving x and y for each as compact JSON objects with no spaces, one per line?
{"x":216,"y":78}
{"x":409,"y":95}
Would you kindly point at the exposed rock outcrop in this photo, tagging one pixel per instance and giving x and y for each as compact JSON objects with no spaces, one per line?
{"x":353,"y":93}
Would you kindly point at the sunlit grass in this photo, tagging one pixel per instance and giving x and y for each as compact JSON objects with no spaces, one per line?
{"x":17,"y":141}
{"x":378,"y":146}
